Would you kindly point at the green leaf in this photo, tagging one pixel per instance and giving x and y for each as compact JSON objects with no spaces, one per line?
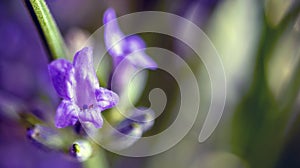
{"x":47,"y":28}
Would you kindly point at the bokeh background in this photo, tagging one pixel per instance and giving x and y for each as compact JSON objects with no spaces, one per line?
{"x":258,"y":42}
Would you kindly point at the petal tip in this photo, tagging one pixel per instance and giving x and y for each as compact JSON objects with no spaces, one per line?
{"x":85,"y":50}
{"x":109,"y":15}
{"x":114,"y":98}
{"x":106,"y":98}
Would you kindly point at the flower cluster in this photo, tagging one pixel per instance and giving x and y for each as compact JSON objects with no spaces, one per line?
{"x":83,"y":99}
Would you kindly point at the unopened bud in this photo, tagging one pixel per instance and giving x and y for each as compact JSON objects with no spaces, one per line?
{"x":45,"y":137}
{"x":81,"y":150}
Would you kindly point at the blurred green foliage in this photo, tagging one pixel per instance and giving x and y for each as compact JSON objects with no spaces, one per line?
{"x":260,"y":120}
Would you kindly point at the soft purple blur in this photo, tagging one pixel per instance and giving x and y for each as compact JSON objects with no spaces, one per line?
{"x":17,"y":151}
{"x":121,"y":47}
{"x":23,"y":63}
{"x":24,"y":85}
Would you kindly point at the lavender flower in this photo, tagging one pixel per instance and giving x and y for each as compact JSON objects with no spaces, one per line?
{"x":78,"y":85}
{"x":121,"y":47}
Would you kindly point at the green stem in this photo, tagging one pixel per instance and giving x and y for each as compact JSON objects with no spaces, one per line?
{"x":97,"y":161}
{"x":47,"y":28}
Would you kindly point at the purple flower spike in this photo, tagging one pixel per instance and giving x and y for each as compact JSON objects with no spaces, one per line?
{"x":78,"y":86}
{"x":121,"y":47}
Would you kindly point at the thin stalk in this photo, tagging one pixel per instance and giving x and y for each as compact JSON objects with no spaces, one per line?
{"x":47,"y":28}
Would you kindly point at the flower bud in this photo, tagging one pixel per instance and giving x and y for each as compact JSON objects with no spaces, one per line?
{"x":128,"y":131}
{"x":45,"y":137}
{"x":81,"y":150}
{"x":144,"y":117}
{"x":124,"y":136}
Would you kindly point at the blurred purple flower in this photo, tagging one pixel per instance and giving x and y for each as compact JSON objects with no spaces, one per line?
{"x":16,"y":151}
{"x":78,"y":85}
{"x":121,"y":47}
{"x":23,"y":63}
{"x":25,"y":86}
{"x":24,"y":81}
{"x":141,"y":117}
{"x":129,"y":130}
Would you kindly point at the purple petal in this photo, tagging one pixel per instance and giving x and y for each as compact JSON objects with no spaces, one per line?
{"x":137,"y":55}
{"x":106,"y":98}
{"x":141,"y":59}
{"x":92,"y":115}
{"x":85,"y":76}
{"x":109,"y":15}
{"x":113,"y":35}
{"x":66,"y":114}
{"x":119,"y":47}
{"x":62,"y":75}
{"x":135,"y":43}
